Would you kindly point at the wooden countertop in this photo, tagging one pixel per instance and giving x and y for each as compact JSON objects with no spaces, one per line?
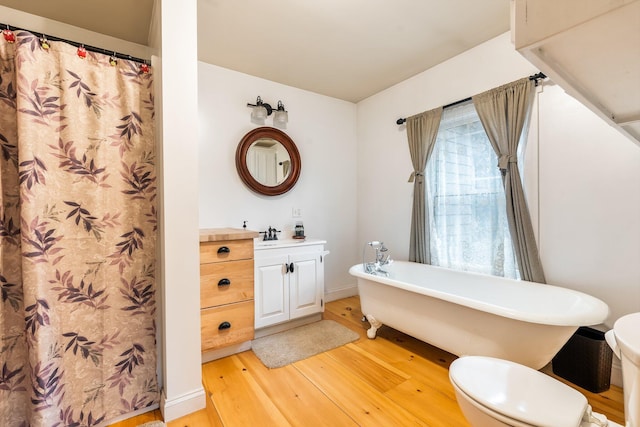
{"x":217,"y":234}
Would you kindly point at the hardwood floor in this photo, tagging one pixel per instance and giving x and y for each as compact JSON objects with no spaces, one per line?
{"x":394,"y":380}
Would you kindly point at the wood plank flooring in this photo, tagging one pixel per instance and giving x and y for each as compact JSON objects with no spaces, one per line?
{"x":394,"y":380}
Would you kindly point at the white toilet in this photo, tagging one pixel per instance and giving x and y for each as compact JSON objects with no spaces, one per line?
{"x":624,"y":339}
{"x":494,"y":392}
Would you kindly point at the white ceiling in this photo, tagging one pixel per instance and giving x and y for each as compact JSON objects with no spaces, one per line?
{"x":347,"y":49}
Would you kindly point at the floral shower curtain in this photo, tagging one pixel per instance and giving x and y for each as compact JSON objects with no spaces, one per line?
{"x":77,"y":236}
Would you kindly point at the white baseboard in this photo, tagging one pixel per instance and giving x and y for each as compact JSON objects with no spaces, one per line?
{"x":182,"y":405}
{"x":337,"y":294}
{"x":616,"y":372}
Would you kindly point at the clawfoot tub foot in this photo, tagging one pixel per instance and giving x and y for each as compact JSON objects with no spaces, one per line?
{"x":375,"y":325}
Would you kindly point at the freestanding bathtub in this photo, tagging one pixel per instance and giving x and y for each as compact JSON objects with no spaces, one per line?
{"x":476,"y":314}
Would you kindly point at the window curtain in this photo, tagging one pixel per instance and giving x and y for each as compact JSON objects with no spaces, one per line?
{"x":504,"y":113}
{"x":468,"y":228}
{"x":77,"y":236}
{"x":422,"y":130}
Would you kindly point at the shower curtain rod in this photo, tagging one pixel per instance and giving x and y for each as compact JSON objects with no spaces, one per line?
{"x":536,"y":77}
{"x":76,"y":44}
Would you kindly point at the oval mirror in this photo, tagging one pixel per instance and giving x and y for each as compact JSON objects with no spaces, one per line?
{"x":268,"y":161}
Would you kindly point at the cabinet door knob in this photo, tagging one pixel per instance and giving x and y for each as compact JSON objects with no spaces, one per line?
{"x":291,"y":267}
{"x":224,"y":250}
{"x":224,"y":282}
{"x":224,"y":325}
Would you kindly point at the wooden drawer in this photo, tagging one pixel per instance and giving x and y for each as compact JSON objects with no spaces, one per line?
{"x":226,"y":250}
{"x":240,"y":318}
{"x":213,"y":291}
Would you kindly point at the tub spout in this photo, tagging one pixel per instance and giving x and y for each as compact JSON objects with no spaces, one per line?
{"x":369,"y":267}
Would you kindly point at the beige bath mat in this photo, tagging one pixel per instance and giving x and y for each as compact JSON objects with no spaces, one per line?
{"x":286,"y":347}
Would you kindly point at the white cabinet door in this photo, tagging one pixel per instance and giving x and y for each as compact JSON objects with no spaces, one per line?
{"x":305,"y":283}
{"x":271,"y":290}
{"x":289,"y":283}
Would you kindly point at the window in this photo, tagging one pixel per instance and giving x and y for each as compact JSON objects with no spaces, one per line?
{"x":468,"y":224}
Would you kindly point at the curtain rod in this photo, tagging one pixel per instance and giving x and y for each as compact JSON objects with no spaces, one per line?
{"x":536,"y":77}
{"x":76,"y":44}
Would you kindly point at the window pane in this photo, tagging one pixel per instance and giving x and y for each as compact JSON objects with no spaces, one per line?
{"x":469,"y":230}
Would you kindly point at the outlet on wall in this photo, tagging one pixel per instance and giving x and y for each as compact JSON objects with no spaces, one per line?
{"x":296,"y":212}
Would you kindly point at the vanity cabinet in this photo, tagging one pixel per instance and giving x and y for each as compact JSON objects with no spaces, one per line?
{"x":226,"y":288}
{"x":289,"y":281}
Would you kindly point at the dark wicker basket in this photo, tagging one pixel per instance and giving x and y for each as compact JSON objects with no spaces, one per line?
{"x":585,"y":360}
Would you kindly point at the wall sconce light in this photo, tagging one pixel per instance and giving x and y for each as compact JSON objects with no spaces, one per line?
{"x":261,"y":110}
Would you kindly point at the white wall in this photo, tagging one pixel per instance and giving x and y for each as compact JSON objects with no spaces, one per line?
{"x":588,"y":218}
{"x":589,"y":204}
{"x":324,"y":130}
{"x":176,"y":79}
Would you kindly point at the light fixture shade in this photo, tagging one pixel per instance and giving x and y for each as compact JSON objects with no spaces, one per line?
{"x":280,"y":118}
{"x":258,"y":113}
{"x":261,"y":110}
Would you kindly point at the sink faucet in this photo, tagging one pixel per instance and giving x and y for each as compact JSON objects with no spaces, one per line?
{"x":271,"y":234}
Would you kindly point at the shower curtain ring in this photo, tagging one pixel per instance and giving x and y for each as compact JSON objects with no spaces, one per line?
{"x":82,"y":52}
{"x":44,"y":43}
{"x":9,"y":35}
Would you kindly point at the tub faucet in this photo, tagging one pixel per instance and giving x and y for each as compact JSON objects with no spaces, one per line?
{"x":382,"y":258}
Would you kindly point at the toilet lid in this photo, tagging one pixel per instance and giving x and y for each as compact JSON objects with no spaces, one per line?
{"x":627,"y":332}
{"x":518,"y":392}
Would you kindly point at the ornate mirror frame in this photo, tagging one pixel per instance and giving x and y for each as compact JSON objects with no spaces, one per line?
{"x":266,"y":132}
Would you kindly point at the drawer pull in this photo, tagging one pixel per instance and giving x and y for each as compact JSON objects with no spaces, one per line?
{"x":224,"y":282}
{"x":224,"y":250}
{"x":224,"y":325}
